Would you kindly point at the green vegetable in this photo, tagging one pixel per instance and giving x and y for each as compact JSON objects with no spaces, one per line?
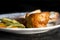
{"x":11,"y":23}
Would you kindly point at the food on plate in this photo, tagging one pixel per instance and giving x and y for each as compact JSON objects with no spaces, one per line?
{"x":37,"y":20}
{"x":53,"y":16}
{"x":36,"y":11}
{"x":34,"y":19}
{"x":2,"y":25}
{"x":10,"y":23}
{"x":41,"y":19}
{"x":22,"y":21}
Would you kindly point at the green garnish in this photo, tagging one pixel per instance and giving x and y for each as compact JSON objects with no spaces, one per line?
{"x":11,"y":22}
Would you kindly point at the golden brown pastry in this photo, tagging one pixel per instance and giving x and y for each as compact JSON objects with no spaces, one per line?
{"x":37,"y":20}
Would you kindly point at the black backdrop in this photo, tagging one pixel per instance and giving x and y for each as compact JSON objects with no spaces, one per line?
{"x":23,"y":6}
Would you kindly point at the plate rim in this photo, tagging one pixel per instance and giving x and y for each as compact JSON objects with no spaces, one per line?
{"x":53,"y":27}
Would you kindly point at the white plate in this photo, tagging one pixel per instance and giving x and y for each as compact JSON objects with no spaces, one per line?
{"x":25,"y":30}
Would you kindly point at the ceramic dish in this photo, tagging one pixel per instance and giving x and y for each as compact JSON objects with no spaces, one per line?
{"x":25,"y":30}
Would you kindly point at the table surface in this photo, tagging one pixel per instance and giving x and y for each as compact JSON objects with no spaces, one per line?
{"x":50,"y":35}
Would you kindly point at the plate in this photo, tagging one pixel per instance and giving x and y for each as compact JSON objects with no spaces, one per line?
{"x":25,"y":30}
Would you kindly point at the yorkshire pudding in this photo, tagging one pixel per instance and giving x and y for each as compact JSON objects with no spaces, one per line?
{"x":37,"y":20}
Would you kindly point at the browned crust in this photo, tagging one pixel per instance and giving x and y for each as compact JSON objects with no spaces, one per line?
{"x":34,"y":20}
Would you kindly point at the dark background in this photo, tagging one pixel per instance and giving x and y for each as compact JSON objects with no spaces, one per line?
{"x":29,"y":5}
